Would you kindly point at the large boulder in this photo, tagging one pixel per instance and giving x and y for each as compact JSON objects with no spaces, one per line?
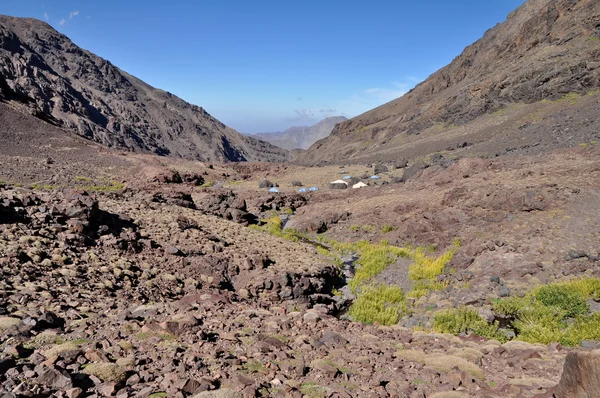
{"x":413,"y":171}
{"x":581,"y":376}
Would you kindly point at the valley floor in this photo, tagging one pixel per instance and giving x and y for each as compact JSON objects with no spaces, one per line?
{"x":175,"y":278}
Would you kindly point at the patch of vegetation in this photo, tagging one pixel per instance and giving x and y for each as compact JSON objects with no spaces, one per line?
{"x":254,"y":367}
{"x":207,"y":184}
{"x":273,"y":225}
{"x":39,"y":186}
{"x":313,"y":390}
{"x":107,"y":372}
{"x":428,"y":268}
{"x":362,"y":129}
{"x":381,"y":304}
{"x":466,"y":320}
{"x":556,"y":312}
{"x":570,"y":98}
{"x":387,"y":228}
{"x":158,"y":395}
{"x":103,"y":185}
{"x":82,"y":178}
{"x":162,"y":336}
{"x":499,"y":113}
{"x":444,"y":363}
{"x":323,"y":252}
{"x":363,"y":228}
{"x":374,"y":259}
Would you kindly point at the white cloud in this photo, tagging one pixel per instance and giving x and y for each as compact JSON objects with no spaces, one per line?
{"x":373,"y":97}
{"x":46,"y":17}
{"x":311,"y":116}
{"x":63,"y":21}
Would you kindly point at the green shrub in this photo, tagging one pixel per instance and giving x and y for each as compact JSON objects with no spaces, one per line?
{"x":381,"y":303}
{"x":542,"y":316}
{"x":465,"y":320}
{"x":562,"y":296}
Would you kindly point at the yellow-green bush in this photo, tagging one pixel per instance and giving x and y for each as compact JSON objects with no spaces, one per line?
{"x":428,"y":268}
{"x":374,"y":259}
{"x":273,"y":226}
{"x":542,"y":316}
{"x":465,"y":320}
{"x":380,"y":303}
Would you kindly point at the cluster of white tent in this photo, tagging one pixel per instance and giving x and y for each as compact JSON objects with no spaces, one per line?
{"x":337,"y":183}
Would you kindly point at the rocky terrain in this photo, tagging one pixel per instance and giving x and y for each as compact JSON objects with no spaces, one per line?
{"x":45,"y":74}
{"x":301,"y":137}
{"x":518,"y":89}
{"x":154,"y":283}
{"x":133,"y":295}
{"x":466,"y":266}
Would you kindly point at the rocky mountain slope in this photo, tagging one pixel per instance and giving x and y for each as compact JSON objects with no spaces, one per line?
{"x":545,"y":50}
{"x":302,"y":137}
{"x":72,"y":88}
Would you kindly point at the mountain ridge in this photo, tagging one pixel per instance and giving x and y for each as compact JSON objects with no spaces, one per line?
{"x":544,"y":50}
{"x":86,"y":94}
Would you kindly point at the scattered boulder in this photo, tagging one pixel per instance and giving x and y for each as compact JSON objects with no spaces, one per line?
{"x":266,"y":184}
{"x":379,"y":168}
{"x":413,"y":171}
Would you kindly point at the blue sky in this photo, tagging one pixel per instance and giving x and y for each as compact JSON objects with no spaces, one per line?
{"x":266,"y":65}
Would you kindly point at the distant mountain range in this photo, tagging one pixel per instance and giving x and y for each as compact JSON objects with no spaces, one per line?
{"x":301,"y":137}
{"x":45,"y":74}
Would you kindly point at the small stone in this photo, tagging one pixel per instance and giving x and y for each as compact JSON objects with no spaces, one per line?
{"x":311,"y":317}
{"x":74,"y":392}
{"x":172,"y":250}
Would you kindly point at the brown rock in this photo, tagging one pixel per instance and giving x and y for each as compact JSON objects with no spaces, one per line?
{"x":581,"y":375}
{"x":53,"y":378}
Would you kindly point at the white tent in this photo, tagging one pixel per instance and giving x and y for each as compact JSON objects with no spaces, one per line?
{"x":359,"y":185}
{"x":338,"y":184}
